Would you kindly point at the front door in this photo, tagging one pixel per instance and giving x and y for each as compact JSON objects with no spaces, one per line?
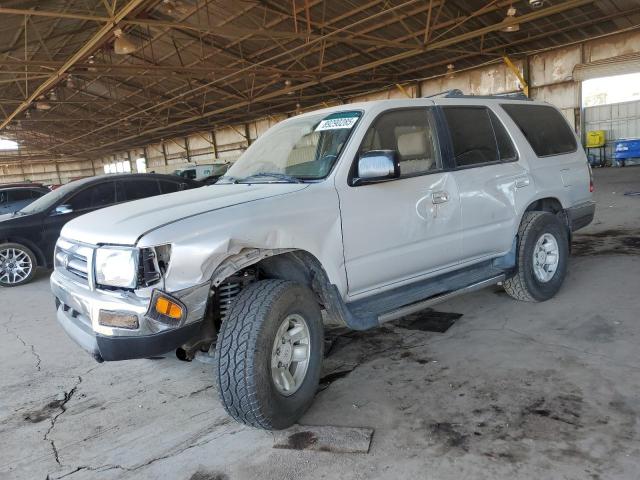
{"x":407,"y":227}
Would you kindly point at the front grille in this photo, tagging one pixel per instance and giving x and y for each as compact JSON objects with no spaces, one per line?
{"x":73,"y":260}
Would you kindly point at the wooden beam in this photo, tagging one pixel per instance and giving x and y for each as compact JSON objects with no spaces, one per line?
{"x":188,"y":150}
{"x":164,"y":152}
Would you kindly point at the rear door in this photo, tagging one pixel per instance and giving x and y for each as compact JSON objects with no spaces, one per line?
{"x":489,"y":178}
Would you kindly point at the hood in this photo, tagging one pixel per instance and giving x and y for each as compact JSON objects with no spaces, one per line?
{"x":124,"y":224}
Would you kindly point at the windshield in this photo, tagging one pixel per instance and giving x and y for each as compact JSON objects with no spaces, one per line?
{"x":296,"y":150}
{"x":46,"y":202}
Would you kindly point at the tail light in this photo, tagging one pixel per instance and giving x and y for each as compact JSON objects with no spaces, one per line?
{"x":591,"y":186}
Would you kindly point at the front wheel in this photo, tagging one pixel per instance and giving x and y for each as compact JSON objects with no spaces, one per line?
{"x":17,"y":265}
{"x":543,"y":250}
{"x":269,"y":354}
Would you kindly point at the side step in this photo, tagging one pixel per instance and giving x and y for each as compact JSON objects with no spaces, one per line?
{"x":398,"y":302}
{"x":416,"y":307}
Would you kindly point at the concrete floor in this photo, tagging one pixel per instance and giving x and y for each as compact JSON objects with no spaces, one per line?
{"x":511,"y":390}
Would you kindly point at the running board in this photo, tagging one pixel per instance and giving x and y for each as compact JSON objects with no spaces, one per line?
{"x":388,"y":305}
{"x":416,"y":307}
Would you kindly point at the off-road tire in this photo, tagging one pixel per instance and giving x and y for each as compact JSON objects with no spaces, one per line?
{"x":32,"y":257}
{"x":244,"y":348}
{"x":524,"y":285}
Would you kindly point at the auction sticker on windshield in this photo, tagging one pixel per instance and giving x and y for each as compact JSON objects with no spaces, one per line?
{"x":337,"y":121}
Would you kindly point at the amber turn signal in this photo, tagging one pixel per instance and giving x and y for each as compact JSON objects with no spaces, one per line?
{"x":166,"y":307}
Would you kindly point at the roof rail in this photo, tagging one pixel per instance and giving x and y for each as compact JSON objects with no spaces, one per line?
{"x":457,"y":93}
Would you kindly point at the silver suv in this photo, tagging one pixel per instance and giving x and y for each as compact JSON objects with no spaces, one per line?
{"x":363,"y":212}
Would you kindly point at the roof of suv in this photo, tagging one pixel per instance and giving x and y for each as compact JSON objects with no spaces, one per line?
{"x":438,"y":99}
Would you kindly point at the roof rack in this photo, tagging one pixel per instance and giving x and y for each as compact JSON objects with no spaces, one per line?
{"x":446,"y":94}
{"x":457,"y":93}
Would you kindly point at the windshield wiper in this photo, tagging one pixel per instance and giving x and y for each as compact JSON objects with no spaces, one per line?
{"x":281,"y":176}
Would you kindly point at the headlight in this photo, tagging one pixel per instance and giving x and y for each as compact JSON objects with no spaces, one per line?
{"x":117,"y":267}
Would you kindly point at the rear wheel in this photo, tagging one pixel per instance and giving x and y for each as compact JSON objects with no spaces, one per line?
{"x":17,"y":265}
{"x":543,"y":250}
{"x":269,"y":354}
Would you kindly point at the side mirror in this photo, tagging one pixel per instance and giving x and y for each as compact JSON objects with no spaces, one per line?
{"x":63,"y":210}
{"x":377,"y":166}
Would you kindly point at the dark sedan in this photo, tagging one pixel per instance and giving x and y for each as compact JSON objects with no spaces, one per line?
{"x":28,"y":237}
{"x":13,"y":199}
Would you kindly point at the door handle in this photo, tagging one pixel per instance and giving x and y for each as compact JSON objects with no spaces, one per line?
{"x":522,"y":182}
{"x":439,"y":197}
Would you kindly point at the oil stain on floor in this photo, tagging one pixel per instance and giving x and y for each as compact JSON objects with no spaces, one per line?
{"x":607,"y":242}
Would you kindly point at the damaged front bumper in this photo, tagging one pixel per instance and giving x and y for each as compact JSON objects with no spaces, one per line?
{"x":79,"y":308}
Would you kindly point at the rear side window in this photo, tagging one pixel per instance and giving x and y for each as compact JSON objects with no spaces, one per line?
{"x":169,"y":187}
{"x":478,"y":136}
{"x":95,"y":196}
{"x":19,"y":195}
{"x":544,"y":127}
{"x":472,"y":135}
{"x":135,"y":190}
{"x":506,"y":149}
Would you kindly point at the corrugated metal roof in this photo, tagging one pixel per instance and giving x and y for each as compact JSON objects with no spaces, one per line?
{"x":203,"y":63}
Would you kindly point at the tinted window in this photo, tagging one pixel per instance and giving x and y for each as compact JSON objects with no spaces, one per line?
{"x":169,"y":187}
{"x":95,"y":196}
{"x":410,"y":132}
{"x":3,"y":197}
{"x":472,"y":136}
{"x":19,"y":195}
{"x":506,"y":149}
{"x":545,"y":128}
{"x":135,"y":190}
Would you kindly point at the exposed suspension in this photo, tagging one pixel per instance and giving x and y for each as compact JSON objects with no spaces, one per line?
{"x":229,"y":290}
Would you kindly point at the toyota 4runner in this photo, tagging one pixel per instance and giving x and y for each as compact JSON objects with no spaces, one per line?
{"x":359,"y":214}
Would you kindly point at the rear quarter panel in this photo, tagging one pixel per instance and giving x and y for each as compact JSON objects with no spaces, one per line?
{"x":564,"y":177}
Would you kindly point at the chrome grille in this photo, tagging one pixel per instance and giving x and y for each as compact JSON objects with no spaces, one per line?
{"x":73,"y":260}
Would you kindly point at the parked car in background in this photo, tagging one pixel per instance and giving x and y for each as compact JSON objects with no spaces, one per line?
{"x":13,"y":199}
{"x":217,"y":172}
{"x":202,"y":172}
{"x":21,"y":184}
{"x":28,"y":237}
